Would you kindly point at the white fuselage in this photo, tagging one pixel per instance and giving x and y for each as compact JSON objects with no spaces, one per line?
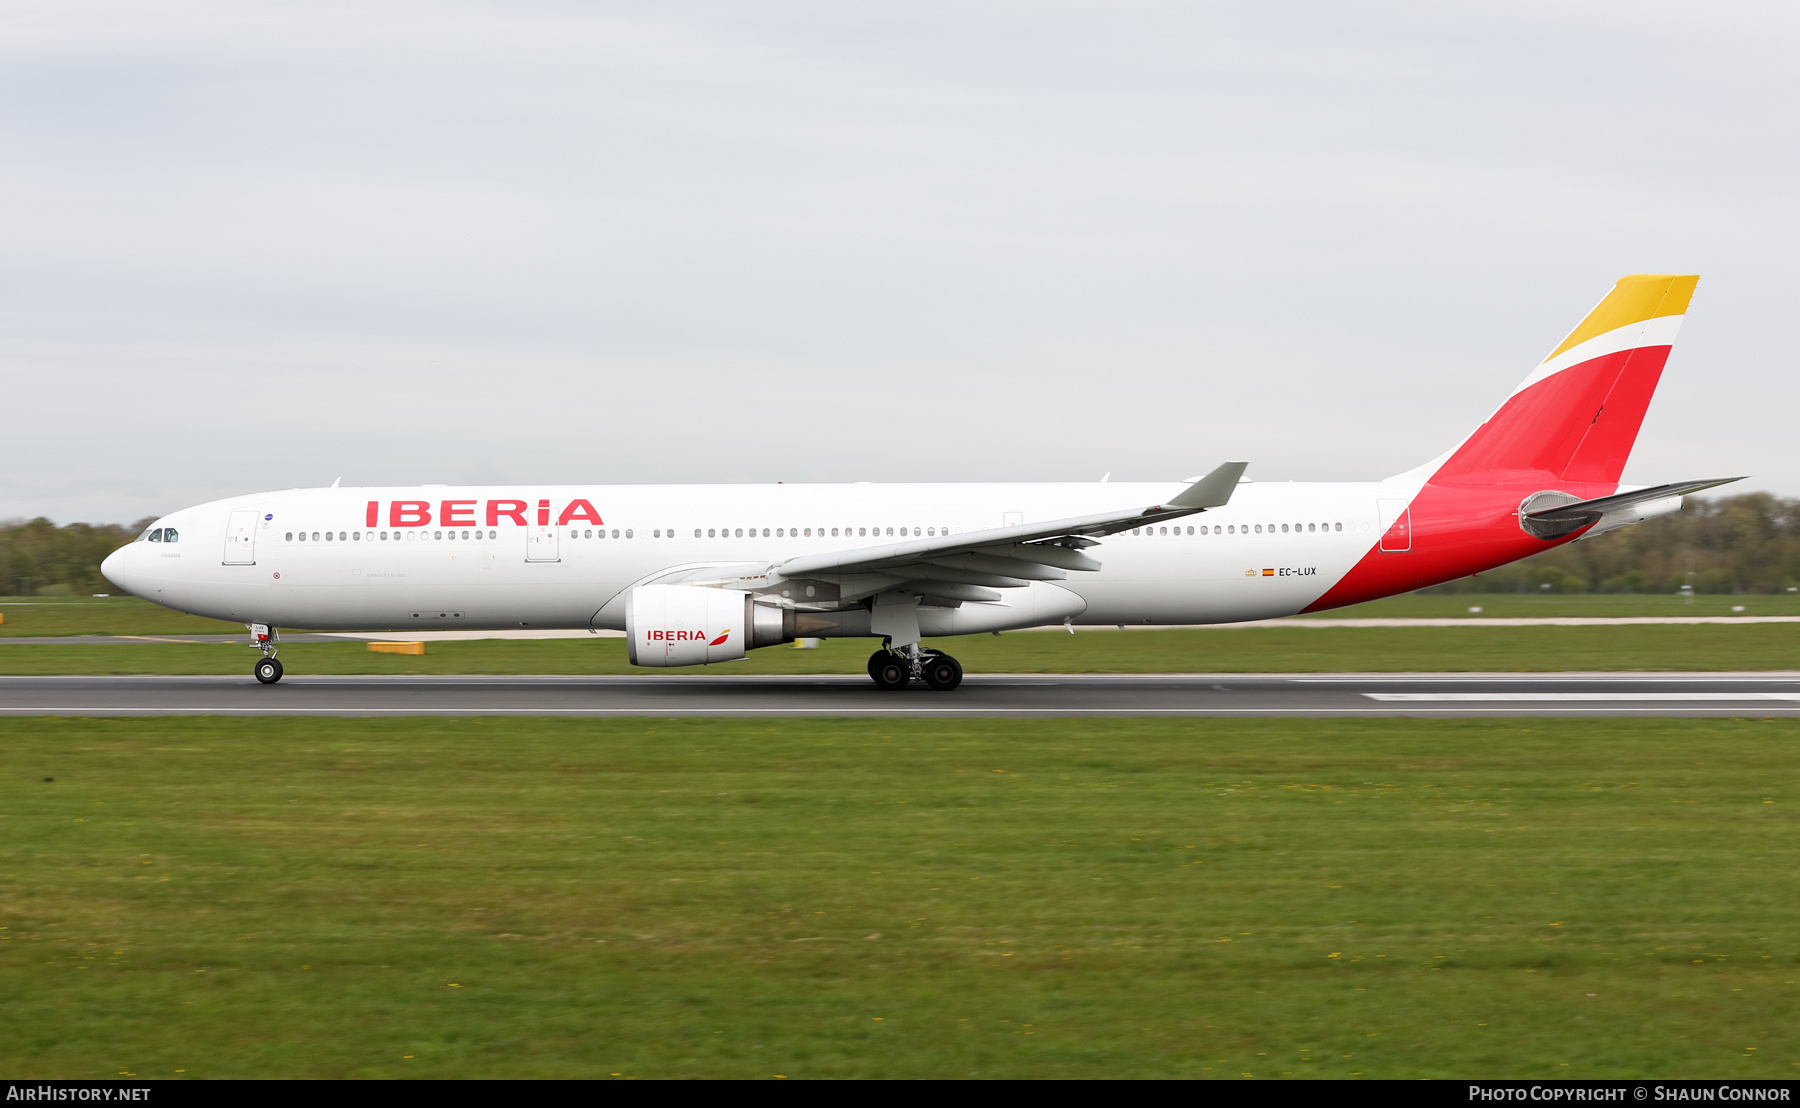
{"x":1272,"y":551}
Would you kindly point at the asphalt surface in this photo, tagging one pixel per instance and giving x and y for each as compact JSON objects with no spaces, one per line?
{"x":1449,"y":695}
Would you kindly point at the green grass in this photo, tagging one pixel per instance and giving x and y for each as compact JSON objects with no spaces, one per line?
{"x":1270,"y":650}
{"x":126,"y":615}
{"x":116,"y":615}
{"x":1402,"y":898}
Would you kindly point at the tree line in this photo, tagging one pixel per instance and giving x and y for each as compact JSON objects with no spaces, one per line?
{"x":41,"y":559}
{"x":1731,"y":544}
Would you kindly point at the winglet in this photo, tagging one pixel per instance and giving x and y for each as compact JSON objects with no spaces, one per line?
{"x":1212,"y":491}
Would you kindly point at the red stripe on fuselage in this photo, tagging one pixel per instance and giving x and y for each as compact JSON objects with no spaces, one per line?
{"x":1457,"y":529}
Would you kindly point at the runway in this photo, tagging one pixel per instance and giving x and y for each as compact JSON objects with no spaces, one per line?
{"x":993,"y":696}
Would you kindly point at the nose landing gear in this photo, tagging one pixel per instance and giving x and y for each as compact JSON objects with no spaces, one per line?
{"x":264,"y":638}
{"x":892,"y":672}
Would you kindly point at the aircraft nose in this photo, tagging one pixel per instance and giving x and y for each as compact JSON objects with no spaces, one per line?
{"x":113,"y":568}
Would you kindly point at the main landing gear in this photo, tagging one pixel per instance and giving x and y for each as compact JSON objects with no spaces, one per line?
{"x":893,"y":671}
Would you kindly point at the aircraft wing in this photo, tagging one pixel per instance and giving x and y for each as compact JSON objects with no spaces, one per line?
{"x":970,"y":565}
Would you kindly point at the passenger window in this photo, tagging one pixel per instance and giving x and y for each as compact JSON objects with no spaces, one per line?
{"x":1340,"y":526}
{"x":465,"y":534}
{"x":1190,"y":530}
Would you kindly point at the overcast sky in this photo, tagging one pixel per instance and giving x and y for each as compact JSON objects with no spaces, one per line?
{"x":249,"y":246}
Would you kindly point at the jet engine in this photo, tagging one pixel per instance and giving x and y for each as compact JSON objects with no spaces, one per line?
{"x":690,"y":625}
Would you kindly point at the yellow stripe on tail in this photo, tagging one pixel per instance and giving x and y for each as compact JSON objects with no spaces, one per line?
{"x":1634,"y":299}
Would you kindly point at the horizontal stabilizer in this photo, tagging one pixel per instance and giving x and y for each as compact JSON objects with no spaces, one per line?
{"x":1563,"y":519}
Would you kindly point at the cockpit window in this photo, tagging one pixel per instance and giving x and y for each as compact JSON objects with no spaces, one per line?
{"x":156,"y":535}
{"x":171,"y":535}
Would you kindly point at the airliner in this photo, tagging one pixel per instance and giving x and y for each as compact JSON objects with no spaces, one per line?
{"x":697,"y":574}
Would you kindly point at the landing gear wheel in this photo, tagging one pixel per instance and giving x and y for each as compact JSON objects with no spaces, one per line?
{"x":268,"y":671}
{"x":942,"y":672}
{"x":889,"y":671}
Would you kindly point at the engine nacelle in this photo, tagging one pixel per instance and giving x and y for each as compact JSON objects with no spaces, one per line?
{"x":688,"y":625}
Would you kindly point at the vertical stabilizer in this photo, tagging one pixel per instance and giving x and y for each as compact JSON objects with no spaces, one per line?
{"x":1576,"y":417}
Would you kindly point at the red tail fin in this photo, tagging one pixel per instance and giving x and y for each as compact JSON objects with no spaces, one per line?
{"x":1576,"y":417}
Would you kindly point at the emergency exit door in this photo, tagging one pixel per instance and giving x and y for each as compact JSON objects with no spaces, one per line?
{"x":540,"y":544}
{"x":240,"y":538}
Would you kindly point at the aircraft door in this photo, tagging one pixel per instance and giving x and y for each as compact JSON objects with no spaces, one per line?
{"x":240,"y":538}
{"x":540,"y":544}
{"x":1396,"y":525}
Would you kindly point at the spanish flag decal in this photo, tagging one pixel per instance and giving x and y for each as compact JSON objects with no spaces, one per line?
{"x":1268,"y":573}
